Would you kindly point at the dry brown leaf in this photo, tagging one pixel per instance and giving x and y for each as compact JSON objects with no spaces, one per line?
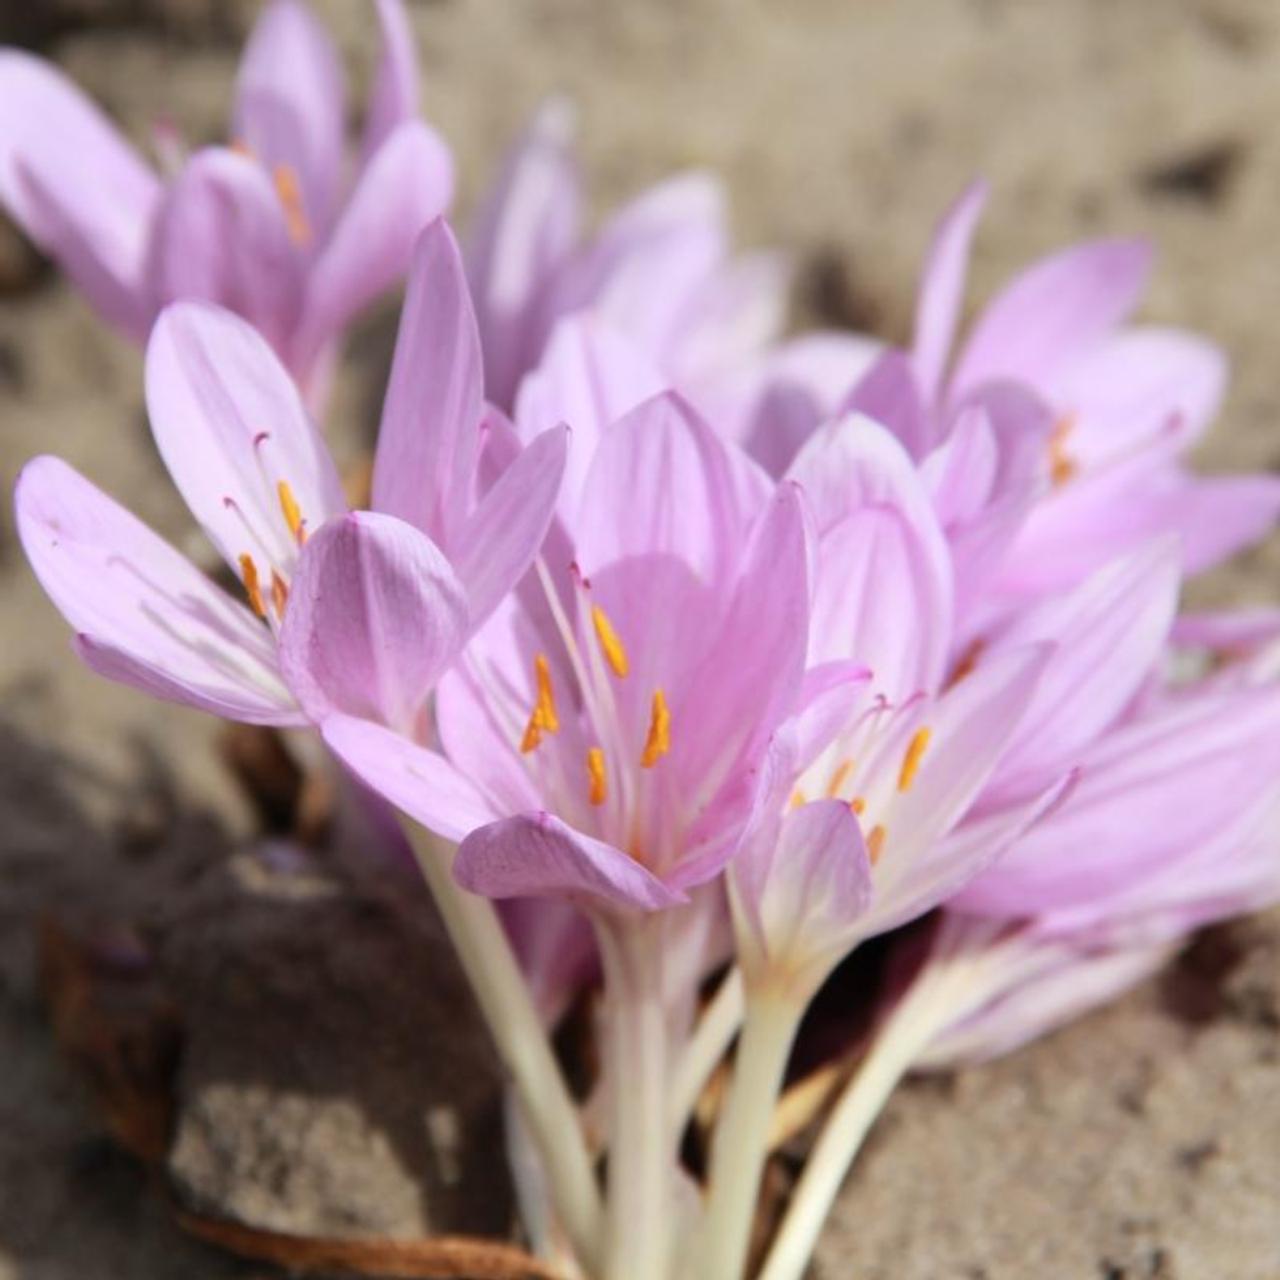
{"x":442,"y":1258}
{"x":112,"y":1019}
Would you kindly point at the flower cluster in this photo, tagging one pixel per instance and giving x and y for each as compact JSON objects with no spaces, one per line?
{"x":706,"y":652}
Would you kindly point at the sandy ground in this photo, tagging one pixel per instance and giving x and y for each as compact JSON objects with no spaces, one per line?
{"x":1143,"y":1142}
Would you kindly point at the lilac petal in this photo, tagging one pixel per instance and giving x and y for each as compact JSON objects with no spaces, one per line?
{"x":221,"y":236}
{"x":881,"y":557}
{"x":663,"y":483}
{"x":524,"y":231}
{"x":804,"y":882}
{"x":961,"y":472}
{"x":795,"y":389}
{"x":499,"y":541}
{"x":649,"y":261}
{"x":1129,"y":812}
{"x":375,"y":616}
{"x":429,"y":439}
{"x":1110,"y":633}
{"x":889,"y":395}
{"x":1140,"y":386}
{"x":969,"y":727}
{"x":231,"y":428}
{"x":942,"y":290}
{"x":77,"y":188}
{"x":416,"y":780}
{"x":146,"y":615}
{"x":394,"y":98}
{"x":406,"y":183}
{"x":1052,"y":312}
{"x":589,"y":377}
{"x":750,"y":677}
{"x":537,"y":855}
{"x":290,"y":108}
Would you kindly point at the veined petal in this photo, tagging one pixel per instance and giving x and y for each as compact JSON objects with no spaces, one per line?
{"x":232,"y":430}
{"x":1053,"y":312}
{"x":525,"y":229}
{"x":146,"y":615}
{"x":589,"y":377}
{"x":1136,"y":388}
{"x":375,"y":616}
{"x":801,"y":884}
{"x":663,"y":483}
{"x":415,"y":779}
{"x":1110,"y":633}
{"x":536,"y":855}
{"x":428,"y":442}
{"x":221,"y":236}
{"x":888,"y":394}
{"x":290,"y":106}
{"x":393,"y":99}
{"x":74,"y":184}
{"x":406,"y":183}
{"x":1129,"y":813}
{"x":502,"y":536}
{"x":941,"y":293}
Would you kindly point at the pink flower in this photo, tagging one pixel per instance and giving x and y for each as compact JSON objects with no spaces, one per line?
{"x":603,"y":730}
{"x":239,"y":445}
{"x":659,"y":271}
{"x":270,"y":225}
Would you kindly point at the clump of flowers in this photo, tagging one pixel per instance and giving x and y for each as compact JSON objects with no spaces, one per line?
{"x":706,"y":654}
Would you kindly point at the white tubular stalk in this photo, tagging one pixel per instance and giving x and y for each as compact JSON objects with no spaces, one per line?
{"x":741,"y":1143}
{"x":711,"y":1040}
{"x":507,"y":1005}
{"x":642,"y":1199}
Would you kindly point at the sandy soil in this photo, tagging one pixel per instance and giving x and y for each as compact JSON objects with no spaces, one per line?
{"x":1143,"y":1142}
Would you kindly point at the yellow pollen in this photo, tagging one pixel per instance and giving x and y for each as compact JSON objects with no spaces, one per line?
{"x":875,"y":843}
{"x":285,"y":178}
{"x":292,"y":512}
{"x":279,"y":593}
{"x":611,"y":646}
{"x":859,"y":805}
{"x":798,"y":799}
{"x":911,"y":761}
{"x":968,"y":660}
{"x":658,"y":743}
{"x":1062,"y":466}
{"x":839,"y":777}
{"x":543,"y":718}
{"x":596,"y":775}
{"x":249,"y":573}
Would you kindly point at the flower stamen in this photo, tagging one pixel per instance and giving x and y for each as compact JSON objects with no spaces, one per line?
{"x":911,"y":761}
{"x":279,"y":594}
{"x":292,"y":512}
{"x":610,"y":643}
{"x":838,"y":778}
{"x":543,"y":717}
{"x":252,"y":587}
{"x":288,"y":189}
{"x":1062,"y":466}
{"x":875,"y":843}
{"x":658,"y":743}
{"x":596,"y":776}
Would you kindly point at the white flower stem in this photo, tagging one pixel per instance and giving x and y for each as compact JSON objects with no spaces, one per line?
{"x":507,"y":1005}
{"x":889,"y":1059}
{"x":740,"y":1146}
{"x":715,"y":1031}
{"x":641,"y":1200}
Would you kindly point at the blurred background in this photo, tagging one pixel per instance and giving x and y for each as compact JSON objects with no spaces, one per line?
{"x":309,"y":1058}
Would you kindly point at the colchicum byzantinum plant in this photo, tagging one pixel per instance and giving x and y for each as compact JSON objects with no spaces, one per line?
{"x":691,"y":657}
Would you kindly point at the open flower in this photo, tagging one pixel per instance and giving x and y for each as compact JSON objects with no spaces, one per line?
{"x":271,"y":225}
{"x":239,"y":445}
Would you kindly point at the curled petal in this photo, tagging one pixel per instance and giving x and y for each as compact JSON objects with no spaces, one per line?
{"x":537,"y":855}
{"x":146,"y":616}
{"x":375,"y":616}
